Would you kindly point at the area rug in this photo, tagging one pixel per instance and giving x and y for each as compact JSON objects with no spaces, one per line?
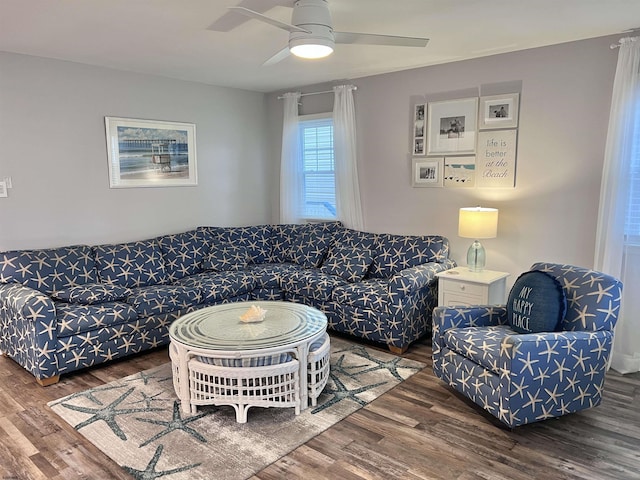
{"x":137,"y":421}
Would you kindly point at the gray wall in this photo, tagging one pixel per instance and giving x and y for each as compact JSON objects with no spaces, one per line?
{"x":564,"y":108}
{"x":52,"y":144}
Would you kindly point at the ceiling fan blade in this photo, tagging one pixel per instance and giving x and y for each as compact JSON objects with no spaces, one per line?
{"x":371,"y":39}
{"x":278,"y":57}
{"x":271,"y":21}
{"x":231,"y":19}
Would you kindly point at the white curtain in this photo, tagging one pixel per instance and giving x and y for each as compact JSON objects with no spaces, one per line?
{"x":616,"y":253}
{"x":346,"y":168}
{"x":291,"y":177}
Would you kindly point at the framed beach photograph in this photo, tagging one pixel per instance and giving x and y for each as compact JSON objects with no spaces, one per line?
{"x":452,"y":126}
{"x":418,"y":129}
{"x":427,"y":172}
{"x":499,"y":111}
{"x":460,"y":172}
{"x":150,"y":153}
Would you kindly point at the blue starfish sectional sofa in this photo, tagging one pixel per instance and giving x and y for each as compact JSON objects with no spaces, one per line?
{"x":69,"y":308}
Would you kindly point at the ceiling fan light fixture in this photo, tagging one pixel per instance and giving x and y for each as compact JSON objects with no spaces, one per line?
{"x":311,"y":49}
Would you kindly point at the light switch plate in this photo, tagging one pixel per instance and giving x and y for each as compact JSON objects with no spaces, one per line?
{"x":8,"y":182}
{"x":3,"y":189}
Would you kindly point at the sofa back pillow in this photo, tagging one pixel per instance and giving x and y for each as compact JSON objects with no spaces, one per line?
{"x":183,"y":253}
{"x":536,"y":303}
{"x":349,"y":262}
{"x":256,"y":239}
{"x":49,"y":270}
{"x":226,"y":257}
{"x":398,"y":252}
{"x":134,"y":264}
{"x":305,"y":244}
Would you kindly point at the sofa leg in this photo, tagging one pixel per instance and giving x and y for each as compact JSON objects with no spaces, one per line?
{"x":45,"y":382}
{"x":398,"y":350}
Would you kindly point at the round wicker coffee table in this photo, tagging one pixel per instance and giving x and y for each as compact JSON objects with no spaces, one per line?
{"x":219,"y":360}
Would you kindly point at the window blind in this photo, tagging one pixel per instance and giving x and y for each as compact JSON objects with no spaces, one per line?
{"x":319,"y":189}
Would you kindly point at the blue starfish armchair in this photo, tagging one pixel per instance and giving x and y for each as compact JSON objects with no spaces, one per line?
{"x":542,"y":355}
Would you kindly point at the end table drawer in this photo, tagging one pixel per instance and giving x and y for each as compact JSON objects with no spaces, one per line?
{"x":465,"y":288}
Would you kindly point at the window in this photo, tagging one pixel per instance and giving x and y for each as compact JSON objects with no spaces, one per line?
{"x":632,"y":221}
{"x":316,"y":147}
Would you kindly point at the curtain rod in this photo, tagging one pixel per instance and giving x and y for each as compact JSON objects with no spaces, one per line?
{"x":632,"y":32}
{"x":317,"y":93}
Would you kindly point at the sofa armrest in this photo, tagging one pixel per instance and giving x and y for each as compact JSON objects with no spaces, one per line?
{"x":412,"y":279}
{"x":28,"y":326}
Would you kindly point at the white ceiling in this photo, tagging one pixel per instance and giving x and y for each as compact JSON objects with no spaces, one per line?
{"x":170,"y":37}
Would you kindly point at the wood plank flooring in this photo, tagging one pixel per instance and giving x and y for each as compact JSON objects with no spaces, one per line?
{"x":421,"y":429}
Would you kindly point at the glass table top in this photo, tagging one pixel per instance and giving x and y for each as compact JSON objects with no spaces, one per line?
{"x":220,"y":328}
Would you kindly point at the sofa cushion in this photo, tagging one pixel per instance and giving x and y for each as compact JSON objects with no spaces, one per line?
{"x":134,"y":264}
{"x":49,"y":270}
{"x":479,"y":344}
{"x":73,"y":319}
{"x":305,"y":245}
{"x":283,"y":237}
{"x":399,"y":252}
{"x":226,"y":257}
{"x":311,"y":283}
{"x":270,"y":275}
{"x":371,"y":294}
{"x":536,"y":303}
{"x":91,"y":293}
{"x":216,"y":287}
{"x":348,"y":262}
{"x":349,"y":237}
{"x":256,"y":239}
{"x":183,"y":253}
{"x":159,"y":299}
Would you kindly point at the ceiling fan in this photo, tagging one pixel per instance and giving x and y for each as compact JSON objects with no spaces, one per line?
{"x":311,"y":33}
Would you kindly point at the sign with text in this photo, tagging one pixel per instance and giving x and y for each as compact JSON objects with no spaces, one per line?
{"x":496,"y":158}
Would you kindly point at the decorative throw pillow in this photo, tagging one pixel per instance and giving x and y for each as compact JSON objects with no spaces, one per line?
{"x":536,"y":303}
{"x":226,"y":258}
{"x":91,"y":294}
{"x":349,"y":262}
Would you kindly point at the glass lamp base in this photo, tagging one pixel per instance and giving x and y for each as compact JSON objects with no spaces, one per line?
{"x":476,"y":257}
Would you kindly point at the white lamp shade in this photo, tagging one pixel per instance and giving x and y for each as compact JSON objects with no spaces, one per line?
{"x":478,"y":222}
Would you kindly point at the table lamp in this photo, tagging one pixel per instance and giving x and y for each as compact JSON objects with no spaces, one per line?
{"x":476,"y":223}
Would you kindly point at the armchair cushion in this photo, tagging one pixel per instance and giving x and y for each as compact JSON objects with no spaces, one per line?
{"x":536,"y":303}
{"x":91,"y":294}
{"x":350,"y":263}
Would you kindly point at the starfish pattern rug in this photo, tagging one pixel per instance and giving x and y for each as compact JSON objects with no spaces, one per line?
{"x":137,"y":421}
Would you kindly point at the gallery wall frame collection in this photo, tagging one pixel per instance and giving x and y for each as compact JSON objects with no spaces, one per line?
{"x":465,"y":143}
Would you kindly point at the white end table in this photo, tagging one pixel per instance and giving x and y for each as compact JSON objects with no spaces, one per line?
{"x":460,"y":286}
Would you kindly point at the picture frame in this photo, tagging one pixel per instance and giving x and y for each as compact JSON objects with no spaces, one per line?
{"x":459,"y":172}
{"x":419,"y":129}
{"x":452,"y":126}
{"x":499,"y":111}
{"x":427,"y":172}
{"x":150,"y":153}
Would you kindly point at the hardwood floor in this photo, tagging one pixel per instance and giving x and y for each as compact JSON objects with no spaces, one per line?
{"x":421,"y":429}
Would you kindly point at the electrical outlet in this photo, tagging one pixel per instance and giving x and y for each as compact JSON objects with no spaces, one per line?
{"x":7,"y":182}
{"x":3,"y":189}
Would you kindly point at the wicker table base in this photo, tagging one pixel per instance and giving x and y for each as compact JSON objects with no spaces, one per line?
{"x":216,"y":361}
